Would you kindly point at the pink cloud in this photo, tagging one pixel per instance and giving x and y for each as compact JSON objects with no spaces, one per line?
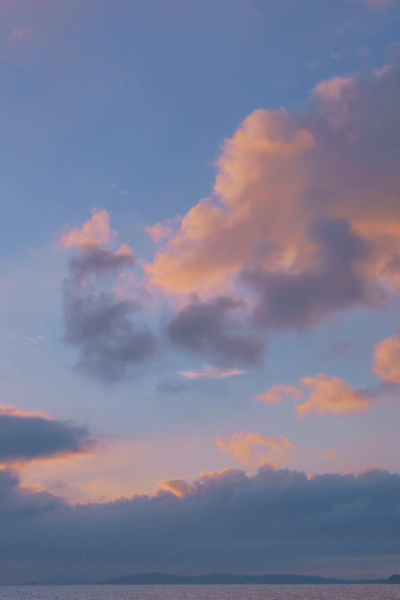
{"x":95,"y":231}
{"x":277,"y":394}
{"x":254,"y":450}
{"x":163,"y":230}
{"x":19,"y":34}
{"x":279,"y":176}
{"x":387,"y":360}
{"x":331,"y":396}
{"x":325,"y":395}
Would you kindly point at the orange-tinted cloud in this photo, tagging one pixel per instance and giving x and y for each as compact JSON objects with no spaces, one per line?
{"x":332,"y":396}
{"x":254,"y":450}
{"x":387,"y":360}
{"x":279,"y":175}
{"x":178,"y":487}
{"x":11,"y":411}
{"x":264,"y":159}
{"x":325,"y":396}
{"x":163,"y":230}
{"x":95,"y":231}
{"x":277,"y":394}
{"x":116,"y":468}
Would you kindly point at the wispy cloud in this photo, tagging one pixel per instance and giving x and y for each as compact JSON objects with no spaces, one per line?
{"x":210,"y":372}
{"x":19,"y":34}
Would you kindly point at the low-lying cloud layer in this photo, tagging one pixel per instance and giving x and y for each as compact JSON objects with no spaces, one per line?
{"x":271,"y":521}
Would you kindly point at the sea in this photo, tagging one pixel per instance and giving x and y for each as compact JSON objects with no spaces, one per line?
{"x":199,"y":592}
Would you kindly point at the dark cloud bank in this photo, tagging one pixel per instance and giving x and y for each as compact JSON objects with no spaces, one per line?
{"x":271,"y":522}
{"x":24,"y":438}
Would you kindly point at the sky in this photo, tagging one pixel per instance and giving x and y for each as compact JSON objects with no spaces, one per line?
{"x":199,"y":288}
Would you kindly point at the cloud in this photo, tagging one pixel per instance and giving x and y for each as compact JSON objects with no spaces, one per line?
{"x":224,"y":521}
{"x":18,"y":504}
{"x":95,"y":261}
{"x":210,"y":372}
{"x":100,"y":326}
{"x":97,"y":320}
{"x":326,"y":395}
{"x":335,"y":282}
{"x":207,"y":328}
{"x":387,"y":360}
{"x":95,"y":231}
{"x":254,"y":450}
{"x":277,"y":394}
{"x":164,"y":230}
{"x":26,"y":436}
{"x":304,"y":208}
{"x":19,"y":34}
{"x":332,"y":396}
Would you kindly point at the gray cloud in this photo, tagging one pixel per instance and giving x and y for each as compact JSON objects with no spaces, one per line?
{"x":269,"y":522}
{"x":336,"y":282}
{"x":205,"y":328}
{"x":25,"y":438}
{"x":99,"y":324}
{"x":18,"y":505}
{"x":94,"y":260}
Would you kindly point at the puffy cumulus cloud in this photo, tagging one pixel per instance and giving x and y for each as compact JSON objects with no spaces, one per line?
{"x":224,"y":521}
{"x":95,"y":231}
{"x":27,"y":436}
{"x":305,"y":205}
{"x":335,"y":282}
{"x":210,"y":372}
{"x":387,"y":360}
{"x":97,"y":320}
{"x":219,"y":235}
{"x":254,"y":449}
{"x":209,"y":328}
{"x":277,"y":394}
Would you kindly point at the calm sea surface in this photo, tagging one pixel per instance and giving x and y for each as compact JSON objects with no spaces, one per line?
{"x":218,"y":592}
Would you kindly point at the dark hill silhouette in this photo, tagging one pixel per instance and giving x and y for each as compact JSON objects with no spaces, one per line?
{"x":230,"y":579}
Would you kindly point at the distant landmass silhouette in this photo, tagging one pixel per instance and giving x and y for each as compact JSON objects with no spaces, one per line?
{"x":230,"y":579}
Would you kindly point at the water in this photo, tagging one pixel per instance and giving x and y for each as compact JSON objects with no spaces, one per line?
{"x":209,"y":592}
